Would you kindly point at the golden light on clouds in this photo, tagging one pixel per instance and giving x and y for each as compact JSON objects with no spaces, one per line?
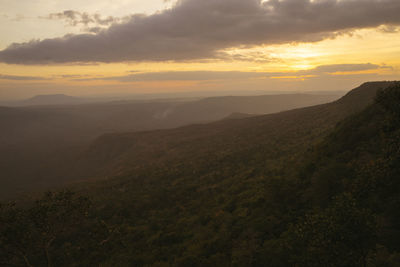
{"x":363,"y":46}
{"x":372,"y":52}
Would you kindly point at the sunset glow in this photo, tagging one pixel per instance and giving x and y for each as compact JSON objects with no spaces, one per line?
{"x":377,"y":45}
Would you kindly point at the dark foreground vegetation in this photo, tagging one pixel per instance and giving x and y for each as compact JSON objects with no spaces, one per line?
{"x":312,"y":187}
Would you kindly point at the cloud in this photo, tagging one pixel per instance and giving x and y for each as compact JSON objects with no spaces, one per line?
{"x":335,"y":68}
{"x":21,"y":78}
{"x":389,"y":29}
{"x":249,"y":56}
{"x":193,"y":30}
{"x":348,"y":69}
{"x":180,"y":76}
{"x":19,"y":17}
{"x":93,"y":23}
{"x":71,"y":76}
{"x":329,"y":70}
{"x":74,"y":18}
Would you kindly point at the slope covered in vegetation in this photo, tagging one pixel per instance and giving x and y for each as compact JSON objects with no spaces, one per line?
{"x":262,"y":140}
{"x":300,"y":194}
{"x":46,"y":139}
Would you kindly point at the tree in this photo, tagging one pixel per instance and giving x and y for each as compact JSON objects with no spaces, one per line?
{"x":341,"y":235}
{"x":26,"y":232}
{"x":16,"y":237}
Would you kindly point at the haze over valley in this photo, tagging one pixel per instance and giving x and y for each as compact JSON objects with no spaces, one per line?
{"x":43,"y":137}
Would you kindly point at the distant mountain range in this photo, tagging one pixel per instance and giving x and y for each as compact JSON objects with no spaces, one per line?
{"x":116,"y":153}
{"x":57,"y":99}
{"x":34,"y":135}
{"x":62,"y":99}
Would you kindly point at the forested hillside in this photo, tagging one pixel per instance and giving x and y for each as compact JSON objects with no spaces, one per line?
{"x":268,"y":141}
{"x":47,"y":139}
{"x":289,"y":189}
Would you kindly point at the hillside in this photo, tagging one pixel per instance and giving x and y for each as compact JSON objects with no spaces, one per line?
{"x":299,"y":189}
{"x":220,"y":107}
{"x":237,"y":115}
{"x":320,"y":200}
{"x":46,"y":139}
{"x":350,"y":188}
{"x":57,"y":99}
{"x":271,"y":135}
{"x":83,"y":122}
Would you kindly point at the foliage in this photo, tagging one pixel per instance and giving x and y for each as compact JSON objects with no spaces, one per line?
{"x":341,"y":235}
{"x":296,"y":200}
{"x":40,"y":234}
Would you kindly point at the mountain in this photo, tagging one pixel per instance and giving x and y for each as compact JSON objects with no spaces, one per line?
{"x":237,"y":115}
{"x":311,"y":187}
{"x":95,"y":119}
{"x":274,"y":133}
{"x":315,"y":186}
{"x":45,"y":139}
{"x":56,"y":99}
{"x":349,"y":189}
{"x":215,"y":108}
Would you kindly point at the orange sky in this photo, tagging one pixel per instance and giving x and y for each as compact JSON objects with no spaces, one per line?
{"x":335,"y":63}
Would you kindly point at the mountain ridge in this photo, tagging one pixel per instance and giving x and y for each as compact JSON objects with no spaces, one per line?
{"x":316,"y":186}
{"x":132,"y":150}
{"x":48,"y":138}
{"x":328,"y":199}
{"x":52,"y":99}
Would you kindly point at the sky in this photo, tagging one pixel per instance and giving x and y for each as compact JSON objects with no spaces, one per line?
{"x":115,"y":47}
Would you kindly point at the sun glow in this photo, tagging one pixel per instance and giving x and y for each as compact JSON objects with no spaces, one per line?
{"x":364,"y":46}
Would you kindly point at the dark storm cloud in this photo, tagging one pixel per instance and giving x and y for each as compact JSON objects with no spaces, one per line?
{"x":200,"y":29}
{"x":232,"y":75}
